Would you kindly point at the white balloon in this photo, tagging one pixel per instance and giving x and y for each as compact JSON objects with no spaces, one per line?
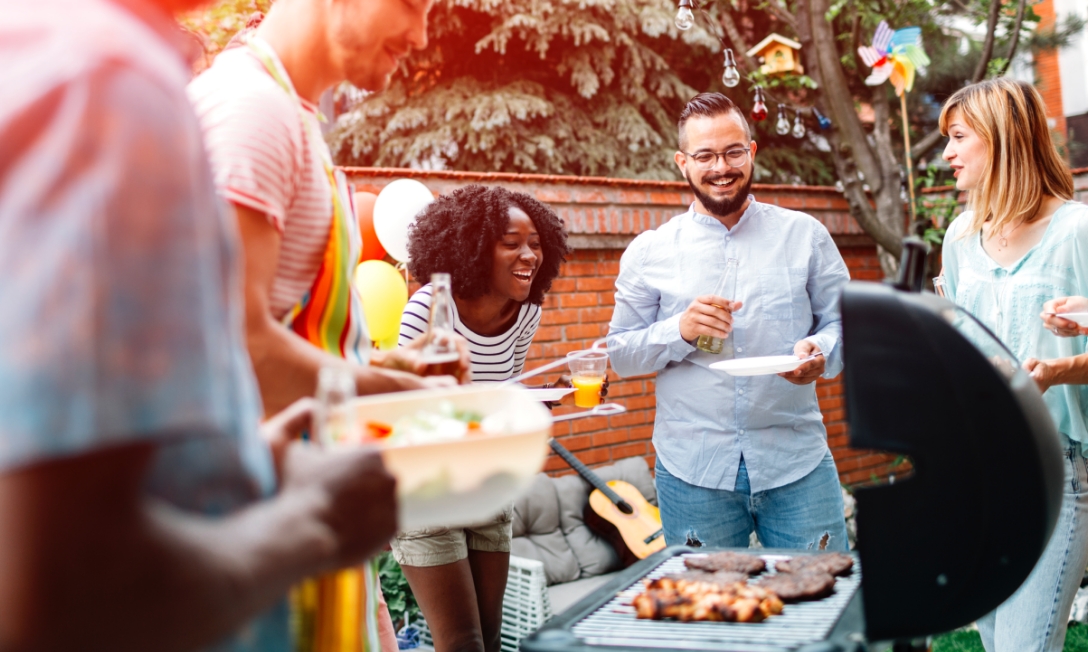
{"x":395,"y":210}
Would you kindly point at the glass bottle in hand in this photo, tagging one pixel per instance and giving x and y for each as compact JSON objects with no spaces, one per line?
{"x":333,"y":419}
{"x":727,"y":289}
{"x":440,"y":352}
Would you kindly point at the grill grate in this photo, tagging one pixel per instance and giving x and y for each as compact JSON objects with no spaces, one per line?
{"x":615,"y":624}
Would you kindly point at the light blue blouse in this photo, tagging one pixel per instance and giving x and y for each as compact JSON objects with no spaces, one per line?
{"x":1009,"y":299}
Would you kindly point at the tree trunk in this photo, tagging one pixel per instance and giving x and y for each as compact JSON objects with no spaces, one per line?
{"x":882,"y":217}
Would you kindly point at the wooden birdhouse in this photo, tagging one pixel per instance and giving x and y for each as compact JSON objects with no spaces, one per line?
{"x":778,"y":55}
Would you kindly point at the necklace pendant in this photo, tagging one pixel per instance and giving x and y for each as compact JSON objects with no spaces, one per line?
{"x":1004,"y":242}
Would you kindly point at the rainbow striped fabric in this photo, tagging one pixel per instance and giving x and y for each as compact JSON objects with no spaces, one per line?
{"x":337,"y":612}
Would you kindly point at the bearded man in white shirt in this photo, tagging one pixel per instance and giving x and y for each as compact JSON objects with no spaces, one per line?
{"x":735,"y":454}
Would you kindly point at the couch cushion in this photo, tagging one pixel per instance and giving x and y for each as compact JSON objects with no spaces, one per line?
{"x":537,"y":534}
{"x":595,"y":555}
{"x":564,"y":596}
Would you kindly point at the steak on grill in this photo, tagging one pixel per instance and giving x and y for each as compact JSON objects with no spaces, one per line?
{"x":832,"y":563}
{"x":736,"y":562}
{"x":795,"y":587}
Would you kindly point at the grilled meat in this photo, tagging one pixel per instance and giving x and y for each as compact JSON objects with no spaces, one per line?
{"x":689,"y":601}
{"x":832,"y":563}
{"x":795,"y":587}
{"x":736,"y":562}
{"x":677,"y":580}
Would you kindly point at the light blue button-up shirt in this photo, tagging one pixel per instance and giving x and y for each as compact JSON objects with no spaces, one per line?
{"x":1009,"y":299}
{"x":790,"y":276}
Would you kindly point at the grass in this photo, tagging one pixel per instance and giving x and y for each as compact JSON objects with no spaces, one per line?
{"x":1076,"y":640}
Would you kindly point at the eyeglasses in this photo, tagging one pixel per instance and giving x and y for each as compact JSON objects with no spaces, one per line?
{"x":735,"y":158}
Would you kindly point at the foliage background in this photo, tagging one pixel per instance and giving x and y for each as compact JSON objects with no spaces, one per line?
{"x":556,"y":87}
{"x":593,"y":87}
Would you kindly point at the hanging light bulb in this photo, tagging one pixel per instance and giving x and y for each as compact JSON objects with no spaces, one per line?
{"x":821,"y":119}
{"x":798,"y":126}
{"x":685,"y":20}
{"x":782,"y":126}
{"x":759,"y":109}
{"x":730,"y":76}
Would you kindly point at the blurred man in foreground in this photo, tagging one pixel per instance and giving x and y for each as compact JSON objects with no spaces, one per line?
{"x":257,"y":105}
{"x":140,"y":508}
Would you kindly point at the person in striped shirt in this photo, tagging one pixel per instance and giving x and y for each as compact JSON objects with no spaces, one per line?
{"x":502,"y":250}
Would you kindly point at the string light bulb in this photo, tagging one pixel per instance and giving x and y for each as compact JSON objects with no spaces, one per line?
{"x":782,"y":125}
{"x":730,"y":76}
{"x":685,"y":19}
{"x":759,"y":109}
{"x":821,"y":119}
{"x":798,"y":126}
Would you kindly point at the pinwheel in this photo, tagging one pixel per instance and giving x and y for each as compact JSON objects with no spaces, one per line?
{"x":895,"y":55}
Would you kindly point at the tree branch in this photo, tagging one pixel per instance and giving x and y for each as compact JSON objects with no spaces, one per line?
{"x":855,"y":31}
{"x":929,"y":140}
{"x":922,"y":147}
{"x":836,"y":90}
{"x":882,"y":135}
{"x":778,"y":8}
{"x":737,"y":40}
{"x":988,"y":44}
{"x":847,"y":137}
{"x":1014,"y":41}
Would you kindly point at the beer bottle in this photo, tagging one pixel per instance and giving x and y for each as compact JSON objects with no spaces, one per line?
{"x":727,"y":289}
{"x":440,"y":352}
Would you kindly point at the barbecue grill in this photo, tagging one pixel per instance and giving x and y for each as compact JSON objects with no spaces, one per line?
{"x":940,"y":548}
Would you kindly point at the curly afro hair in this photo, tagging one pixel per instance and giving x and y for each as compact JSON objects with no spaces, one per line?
{"x":456,"y":234}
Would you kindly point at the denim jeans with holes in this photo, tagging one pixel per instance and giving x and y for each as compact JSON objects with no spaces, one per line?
{"x":1034,"y":618}
{"x":795,"y":516}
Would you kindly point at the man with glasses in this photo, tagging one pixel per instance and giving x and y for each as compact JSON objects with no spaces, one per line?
{"x":735,"y":454}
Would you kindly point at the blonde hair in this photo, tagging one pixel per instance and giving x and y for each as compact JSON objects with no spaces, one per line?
{"x":1023,"y":167}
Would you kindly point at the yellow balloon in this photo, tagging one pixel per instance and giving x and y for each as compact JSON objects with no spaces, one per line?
{"x":391,"y":343}
{"x":384,"y":294}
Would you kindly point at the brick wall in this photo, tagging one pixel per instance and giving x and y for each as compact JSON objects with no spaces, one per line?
{"x":1047,"y":72}
{"x":603,"y":216}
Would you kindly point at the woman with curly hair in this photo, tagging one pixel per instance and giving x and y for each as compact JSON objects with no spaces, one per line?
{"x":502,"y":250}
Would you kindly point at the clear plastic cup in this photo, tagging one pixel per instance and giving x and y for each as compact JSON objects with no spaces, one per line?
{"x":587,"y":373}
{"x":939,"y":286}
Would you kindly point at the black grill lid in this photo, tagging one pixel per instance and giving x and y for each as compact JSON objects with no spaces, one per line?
{"x":949,"y":544}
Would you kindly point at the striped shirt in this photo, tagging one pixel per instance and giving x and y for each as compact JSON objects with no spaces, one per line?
{"x":494,"y":359}
{"x":263,"y":160}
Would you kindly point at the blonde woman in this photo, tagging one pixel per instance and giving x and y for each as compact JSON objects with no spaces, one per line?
{"x":1022,"y":243}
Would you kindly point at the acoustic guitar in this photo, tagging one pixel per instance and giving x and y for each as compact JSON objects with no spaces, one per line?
{"x":619,"y":513}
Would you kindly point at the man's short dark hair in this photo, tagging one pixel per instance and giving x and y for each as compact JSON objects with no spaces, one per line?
{"x":709,"y":105}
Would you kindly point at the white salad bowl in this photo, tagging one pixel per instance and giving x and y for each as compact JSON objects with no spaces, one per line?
{"x":467,"y":480}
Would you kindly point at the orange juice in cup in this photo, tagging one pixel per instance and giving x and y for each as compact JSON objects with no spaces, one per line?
{"x":587,"y":390}
{"x":587,"y":370}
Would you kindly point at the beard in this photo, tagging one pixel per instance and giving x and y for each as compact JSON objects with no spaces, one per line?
{"x":722,"y":207}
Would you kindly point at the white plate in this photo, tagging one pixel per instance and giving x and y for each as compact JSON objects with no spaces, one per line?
{"x":455,"y":483}
{"x":548,"y":393}
{"x":1081,"y":318}
{"x":768,"y":364}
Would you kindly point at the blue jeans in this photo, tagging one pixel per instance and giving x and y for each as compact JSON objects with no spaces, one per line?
{"x":1034,"y":618}
{"x":795,"y":516}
